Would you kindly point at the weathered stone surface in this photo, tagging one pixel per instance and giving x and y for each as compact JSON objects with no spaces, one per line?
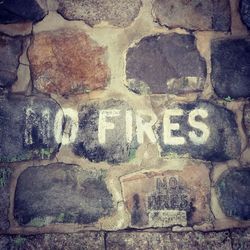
{"x":165,"y":64}
{"x":116,"y":148}
{"x":163,"y":198}
{"x":67,"y":62}
{"x":10,"y":51}
{"x":119,"y":13}
{"x":194,"y":15}
{"x":230,"y":67}
{"x":5,"y":174}
{"x":233,"y":193}
{"x":247,"y":120}
{"x":14,"y":11}
{"x":170,"y":241}
{"x":60,"y":193}
{"x":241,"y":239}
{"x":206,"y":131}
{"x":245,"y":12}
{"x":86,"y":240}
{"x":27,"y":128}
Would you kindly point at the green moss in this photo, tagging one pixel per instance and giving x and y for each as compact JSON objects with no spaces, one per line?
{"x":60,"y":217}
{"x":132,"y":154}
{"x":228,"y":99}
{"x":19,"y":241}
{"x":37,"y":222}
{"x":172,"y":155}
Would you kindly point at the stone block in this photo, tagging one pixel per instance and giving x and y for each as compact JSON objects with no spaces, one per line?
{"x":97,"y":140}
{"x":163,"y":63}
{"x":170,"y":241}
{"x":10,"y":51}
{"x":67,"y":61}
{"x":27,"y":128}
{"x":232,"y":190}
{"x":193,"y":15}
{"x":201,"y":130}
{"x":60,"y":193}
{"x":86,"y":240}
{"x":230,"y":67}
{"x":120,"y":13}
{"x":164,"y":198}
{"x":14,"y":11}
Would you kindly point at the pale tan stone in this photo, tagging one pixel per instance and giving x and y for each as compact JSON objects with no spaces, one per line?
{"x":166,"y":197}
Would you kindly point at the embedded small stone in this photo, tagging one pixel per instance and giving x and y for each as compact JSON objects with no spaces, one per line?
{"x":165,"y":64}
{"x":230,"y":67}
{"x":233,"y":193}
{"x":10,"y":51}
{"x":60,"y":193}
{"x":5,"y":175}
{"x":67,"y":62}
{"x":193,"y":15}
{"x":201,"y":130}
{"x":245,"y":12}
{"x":97,"y":141}
{"x":169,"y":240}
{"x":165,"y":198}
{"x":14,"y":11}
{"x":119,"y":13}
{"x":86,"y":240}
{"x":27,"y":128}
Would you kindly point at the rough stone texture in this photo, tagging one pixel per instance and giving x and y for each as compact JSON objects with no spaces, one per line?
{"x":246,"y":120}
{"x":119,"y":13}
{"x":10,"y":51}
{"x":162,"y":198}
{"x":223,"y":142}
{"x":245,"y":12}
{"x":233,"y":193}
{"x":60,"y":193}
{"x":5,"y":174}
{"x":241,"y":239}
{"x":231,"y":67}
{"x":27,"y":128}
{"x":165,"y":64}
{"x":86,"y":240}
{"x":193,"y":15}
{"x":67,"y":62}
{"x":116,"y":149}
{"x":14,"y":11}
{"x":170,"y":241}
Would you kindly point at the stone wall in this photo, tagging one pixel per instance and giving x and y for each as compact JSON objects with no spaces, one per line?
{"x":124,"y":124}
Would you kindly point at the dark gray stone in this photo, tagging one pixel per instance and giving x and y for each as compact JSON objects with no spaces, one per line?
{"x":167,"y":240}
{"x":10,"y":51}
{"x":241,"y":239}
{"x":231,"y":67}
{"x":119,"y":13}
{"x":5,"y":174}
{"x":194,"y":15}
{"x":14,"y":11}
{"x":116,"y":149}
{"x":86,"y":240}
{"x":165,"y":64}
{"x":27,"y":128}
{"x":223,"y":142}
{"x":60,"y":193}
{"x":245,"y":12}
{"x":233,"y":193}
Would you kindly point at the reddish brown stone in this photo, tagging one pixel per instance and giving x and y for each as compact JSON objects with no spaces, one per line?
{"x":162,"y":198}
{"x":67,"y":62}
